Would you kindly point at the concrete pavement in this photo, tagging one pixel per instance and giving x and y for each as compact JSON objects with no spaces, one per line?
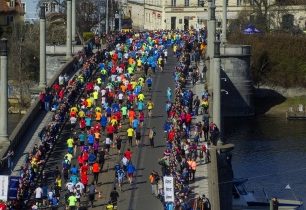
{"x":200,"y":186}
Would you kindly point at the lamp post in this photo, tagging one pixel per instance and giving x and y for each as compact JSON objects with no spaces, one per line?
{"x":73,"y":14}
{"x":224,"y":22}
{"x":106,"y":19}
{"x":120,"y":16}
{"x":42,"y":48}
{"x":217,"y":86}
{"x":211,"y":27}
{"x":69,"y":30}
{"x":211,"y":38}
{"x":3,"y":91}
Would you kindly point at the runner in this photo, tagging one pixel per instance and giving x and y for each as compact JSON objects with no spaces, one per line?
{"x":150,"y":106}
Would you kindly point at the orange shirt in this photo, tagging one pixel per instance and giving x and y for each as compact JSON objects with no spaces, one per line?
{"x":132,"y":114}
{"x":97,"y":135}
{"x":131,"y":60}
{"x":98,"y":115}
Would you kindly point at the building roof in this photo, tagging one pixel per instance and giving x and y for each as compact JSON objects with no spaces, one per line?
{"x":4,"y":7}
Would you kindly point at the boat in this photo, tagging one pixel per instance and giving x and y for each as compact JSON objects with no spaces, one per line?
{"x":244,"y":199}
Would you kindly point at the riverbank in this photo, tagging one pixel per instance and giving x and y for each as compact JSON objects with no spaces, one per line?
{"x":277,"y":100}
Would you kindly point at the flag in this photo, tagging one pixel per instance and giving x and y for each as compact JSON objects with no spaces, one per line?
{"x":288,"y":187}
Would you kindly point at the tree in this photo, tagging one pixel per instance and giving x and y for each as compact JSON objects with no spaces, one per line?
{"x":23,"y":58}
{"x":87,"y":15}
{"x":56,"y":29}
{"x":261,"y":9}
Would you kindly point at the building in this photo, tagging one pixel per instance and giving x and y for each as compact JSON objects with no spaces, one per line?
{"x":31,"y":8}
{"x":11,"y":12}
{"x":187,"y":14}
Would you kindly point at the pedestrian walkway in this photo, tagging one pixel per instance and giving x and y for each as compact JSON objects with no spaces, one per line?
{"x":35,"y":141}
{"x":200,"y":186}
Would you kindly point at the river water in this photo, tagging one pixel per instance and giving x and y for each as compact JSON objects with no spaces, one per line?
{"x":271,"y":152}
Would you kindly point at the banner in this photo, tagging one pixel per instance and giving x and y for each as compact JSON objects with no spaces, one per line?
{"x":168,"y":189}
{"x":4,"y":181}
{"x":13,"y":187}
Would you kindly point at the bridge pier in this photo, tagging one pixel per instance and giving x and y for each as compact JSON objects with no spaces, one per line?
{"x":4,"y":140}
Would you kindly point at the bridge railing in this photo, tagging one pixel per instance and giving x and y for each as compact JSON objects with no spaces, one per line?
{"x":18,"y":134}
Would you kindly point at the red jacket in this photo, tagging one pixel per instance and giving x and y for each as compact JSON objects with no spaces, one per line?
{"x":84,"y":178}
{"x":128,"y":155}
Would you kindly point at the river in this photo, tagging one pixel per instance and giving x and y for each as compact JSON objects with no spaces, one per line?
{"x":271,"y":152}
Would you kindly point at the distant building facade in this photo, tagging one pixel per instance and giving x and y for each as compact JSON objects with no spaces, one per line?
{"x":11,"y":12}
{"x":31,"y":8}
{"x":187,"y":14}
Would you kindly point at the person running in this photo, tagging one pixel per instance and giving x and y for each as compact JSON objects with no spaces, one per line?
{"x":72,"y":201}
{"x":149,"y":82}
{"x":91,"y":194}
{"x":151,"y":135}
{"x":150,"y":106}
{"x":169,"y":94}
{"x":96,"y":171}
{"x":137,"y":135}
{"x":130,"y":172}
{"x":120,"y":177}
{"x":130,"y":133}
{"x":114,"y":195}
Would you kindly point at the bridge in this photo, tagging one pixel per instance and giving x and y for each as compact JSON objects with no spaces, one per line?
{"x":222,"y":62}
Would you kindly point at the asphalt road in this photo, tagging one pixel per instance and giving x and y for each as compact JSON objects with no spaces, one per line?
{"x":138,"y":195}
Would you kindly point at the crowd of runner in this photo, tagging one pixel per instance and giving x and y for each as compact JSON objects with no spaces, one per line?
{"x":114,"y":102}
{"x":182,"y":134}
{"x":113,"y":106}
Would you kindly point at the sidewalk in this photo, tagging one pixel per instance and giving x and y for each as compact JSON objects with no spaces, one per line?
{"x":200,"y":186}
{"x":34,"y":140}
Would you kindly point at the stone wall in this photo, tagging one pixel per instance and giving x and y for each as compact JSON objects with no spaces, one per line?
{"x":18,"y":134}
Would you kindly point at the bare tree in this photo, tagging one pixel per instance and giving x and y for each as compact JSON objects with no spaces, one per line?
{"x":23,"y":58}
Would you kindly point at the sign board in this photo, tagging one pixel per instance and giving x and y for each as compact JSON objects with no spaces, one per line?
{"x":13,"y":187}
{"x":168,"y":189}
{"x":4,"y":183}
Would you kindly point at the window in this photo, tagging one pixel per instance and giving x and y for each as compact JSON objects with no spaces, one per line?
{"x":186,"y":3}
{"x":12,"y":3}
{"x":46,"y":7}
{"x":173,"y":3}
{"x":23,"y":5}
{"x":238,"y":2}
{"x":53,"y":7}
